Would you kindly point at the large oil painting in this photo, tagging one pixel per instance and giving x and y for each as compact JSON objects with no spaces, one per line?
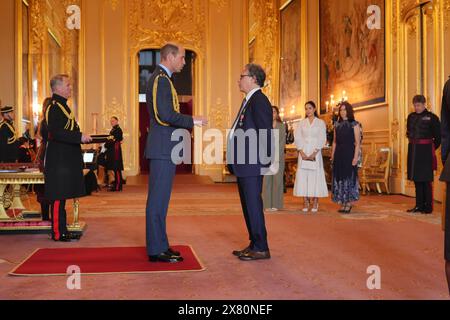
{"x":352,"y":52}
{"x":290,"y":64}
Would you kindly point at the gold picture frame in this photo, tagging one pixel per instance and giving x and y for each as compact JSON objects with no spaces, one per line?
{"x":352,"y":56}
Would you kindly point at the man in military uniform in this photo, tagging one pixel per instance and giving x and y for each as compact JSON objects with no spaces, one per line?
{"x":63,"y":161}
{"x":114,"y":160}
{"x":165,"y":118}
{"x":424,"y":134}
{"x":445,"y":176}
{"x":9,"y":146}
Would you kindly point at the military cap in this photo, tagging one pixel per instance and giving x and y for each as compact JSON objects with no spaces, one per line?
{"x":6,"y":109}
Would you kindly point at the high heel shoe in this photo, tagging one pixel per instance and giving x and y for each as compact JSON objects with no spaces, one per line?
{"x":306,"y":206}
{"x":348,"y":209}
{"x":315,"y":207}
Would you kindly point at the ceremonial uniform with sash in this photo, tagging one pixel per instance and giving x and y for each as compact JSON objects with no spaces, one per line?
{"x":114,"y":159}
{"x":424,"y":135}
{"x":63,"y":163}
{"x":165,"y":118}
{"x":9,"y":146}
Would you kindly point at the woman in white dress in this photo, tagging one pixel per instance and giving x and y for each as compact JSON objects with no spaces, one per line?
{"x":310,"y":138}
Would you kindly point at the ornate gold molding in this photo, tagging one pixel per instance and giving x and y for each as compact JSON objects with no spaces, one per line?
{"x":154,"y":22}
{"x":446,"y":8}
{"x":114,"y":109}
{"x":219,"y":4}
{"x":395,"y":129}
{"x":219,"y":116}
{"x":394,"y":24}
{"x":113,"y":4}
{"x":36,"y":26}
{"x":265,"y":29}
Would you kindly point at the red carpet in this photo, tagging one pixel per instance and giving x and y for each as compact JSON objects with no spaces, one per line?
{"x":46,"y":262}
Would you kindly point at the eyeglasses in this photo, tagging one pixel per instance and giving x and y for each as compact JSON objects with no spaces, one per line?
{"x":245,"y":75}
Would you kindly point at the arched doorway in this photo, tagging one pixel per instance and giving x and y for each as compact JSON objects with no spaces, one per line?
{"x":183,"y":82}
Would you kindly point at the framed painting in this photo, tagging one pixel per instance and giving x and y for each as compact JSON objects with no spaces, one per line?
{"x":290,"y":56}
{"x":352,"y":52}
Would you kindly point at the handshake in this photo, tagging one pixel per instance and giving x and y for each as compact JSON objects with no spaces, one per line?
{"x":200,"y":121}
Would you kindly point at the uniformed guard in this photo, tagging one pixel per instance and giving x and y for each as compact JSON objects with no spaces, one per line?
{"x":114,"y":161}
{"x":424,"y":134}
{"x":9,"y":146}
{"x":63,"y":160}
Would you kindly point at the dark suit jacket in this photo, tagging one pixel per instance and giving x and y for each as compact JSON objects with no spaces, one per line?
{"x":445,"y":131}
{"x":257,"y":116}
{"x":159,"y":144}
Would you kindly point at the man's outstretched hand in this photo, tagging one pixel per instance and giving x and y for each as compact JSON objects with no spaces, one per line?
{"x":85,"y":138}
{"x":200,"y":121}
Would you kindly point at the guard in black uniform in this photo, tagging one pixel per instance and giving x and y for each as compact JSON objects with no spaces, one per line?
{"x":63,"y":160}
{"x":424,"y":134}
{"x":114,"y":160}
{"x":9,"y":146}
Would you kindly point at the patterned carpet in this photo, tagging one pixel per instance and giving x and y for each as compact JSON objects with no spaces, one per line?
{"x":314,"y":256}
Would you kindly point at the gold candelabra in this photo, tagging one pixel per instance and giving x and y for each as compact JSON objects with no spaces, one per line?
{"x":331,"y":104}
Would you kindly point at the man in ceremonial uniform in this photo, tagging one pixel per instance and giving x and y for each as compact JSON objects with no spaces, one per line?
{"x":165,"y":118}
{"x":63,"y":160}
{"x":424,"y":134}
{"x":114,"y":161}
{"x":9,"y":145}
{"x":445,"y":176}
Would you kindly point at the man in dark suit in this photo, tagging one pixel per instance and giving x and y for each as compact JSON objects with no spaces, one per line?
{"x":9,"y":146}
{"x":247,"y":142}
{"x":63,"y":169}
{"x":165,"y":118}
{"x":445,"y":176}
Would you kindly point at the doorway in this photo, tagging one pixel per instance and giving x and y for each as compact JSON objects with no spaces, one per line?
{"x":183,"y":82}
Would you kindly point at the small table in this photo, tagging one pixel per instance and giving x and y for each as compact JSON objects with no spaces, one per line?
{"x":16,"y":178}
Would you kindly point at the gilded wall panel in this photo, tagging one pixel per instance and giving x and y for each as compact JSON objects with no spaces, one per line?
{"x":52,"y":46}
{"x":264,"y":30}
{"x":152,"y":23}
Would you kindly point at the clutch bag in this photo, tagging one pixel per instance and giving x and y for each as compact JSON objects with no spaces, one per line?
{"x":308,"y":165}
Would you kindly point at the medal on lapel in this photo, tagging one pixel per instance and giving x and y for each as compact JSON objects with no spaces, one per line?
{"x":241,"y":120}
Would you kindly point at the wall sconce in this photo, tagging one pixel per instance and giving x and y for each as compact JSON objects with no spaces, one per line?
{"x":292,"y":110}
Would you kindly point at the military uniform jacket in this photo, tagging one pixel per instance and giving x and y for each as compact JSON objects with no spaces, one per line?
{"x":421,"y":158}
{"x":63,"y":160}
{"x":113,"y":147}
{"x":9,"y":146}
{"x":164,"y":118}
